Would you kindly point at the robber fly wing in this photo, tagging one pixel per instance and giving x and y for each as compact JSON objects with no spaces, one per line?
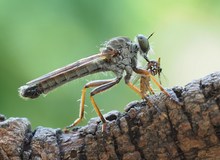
{"x":71,"y":66}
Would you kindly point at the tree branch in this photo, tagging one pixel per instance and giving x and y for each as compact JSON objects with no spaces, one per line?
{"x":190,"y":131}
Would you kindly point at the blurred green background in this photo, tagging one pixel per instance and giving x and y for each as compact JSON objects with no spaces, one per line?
{"x":37,"y":37}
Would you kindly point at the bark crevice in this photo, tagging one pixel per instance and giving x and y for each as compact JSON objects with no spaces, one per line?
{"x":181,"y":155}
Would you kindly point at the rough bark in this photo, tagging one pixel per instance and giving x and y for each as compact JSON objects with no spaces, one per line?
{"x":190,"y":131}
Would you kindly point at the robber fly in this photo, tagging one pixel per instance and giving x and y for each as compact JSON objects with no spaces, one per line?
{"x":118,"y":55}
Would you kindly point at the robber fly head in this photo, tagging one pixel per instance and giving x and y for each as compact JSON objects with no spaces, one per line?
{"x":144,"y":45}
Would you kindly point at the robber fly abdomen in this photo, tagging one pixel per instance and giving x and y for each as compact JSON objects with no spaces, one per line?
{"x":52,"y":80}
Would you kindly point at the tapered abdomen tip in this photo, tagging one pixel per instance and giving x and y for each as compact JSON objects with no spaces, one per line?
{"x":31,"y":92}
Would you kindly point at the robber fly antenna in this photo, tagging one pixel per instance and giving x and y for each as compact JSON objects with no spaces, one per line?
{"x":150,"y":35}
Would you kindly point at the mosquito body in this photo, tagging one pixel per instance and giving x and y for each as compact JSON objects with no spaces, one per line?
{"x":154,"y":68}
{"x":118,"y":55}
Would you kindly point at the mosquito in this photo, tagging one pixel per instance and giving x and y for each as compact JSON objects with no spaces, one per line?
{"x":118,"y":55}
{"x":145,"y":87}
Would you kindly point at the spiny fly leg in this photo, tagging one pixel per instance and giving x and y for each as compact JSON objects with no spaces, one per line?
{"x":82,"y":103}
{"x":100,"y":89}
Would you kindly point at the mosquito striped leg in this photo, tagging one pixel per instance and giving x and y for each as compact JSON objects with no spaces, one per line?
{"x":145,"y":72}
{"x":151,"y":90}
{"x":145,"y":85}
{"x":82,"y":103}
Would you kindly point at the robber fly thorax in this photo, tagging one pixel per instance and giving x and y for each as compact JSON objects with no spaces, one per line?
{"x":118,"y":55}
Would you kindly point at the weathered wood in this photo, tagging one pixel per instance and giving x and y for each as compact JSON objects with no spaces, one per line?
{"x":190,"y":131}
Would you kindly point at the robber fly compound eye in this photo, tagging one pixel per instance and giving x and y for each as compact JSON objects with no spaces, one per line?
{"x":143,"y":43}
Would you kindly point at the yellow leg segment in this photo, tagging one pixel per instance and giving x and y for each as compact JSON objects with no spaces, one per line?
{"x":97,"y":109}
{"x":144,"y":72}
{"x":81,"y":110}
{"x":99,"y":113}
{"x":82,"y":103}
{"x":101,"y":85}
{"x":134,"y":88}
{"x":151,"y":90}
{"x":158,"y":85}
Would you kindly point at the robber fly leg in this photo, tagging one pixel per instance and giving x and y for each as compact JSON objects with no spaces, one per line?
{"x":134,"y":88}
{"x":138,"y":91}
{"x":82,"y":103}
{"x":145,"y":72}
{"x":100,"y":89}
{"x":143,"y":96}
